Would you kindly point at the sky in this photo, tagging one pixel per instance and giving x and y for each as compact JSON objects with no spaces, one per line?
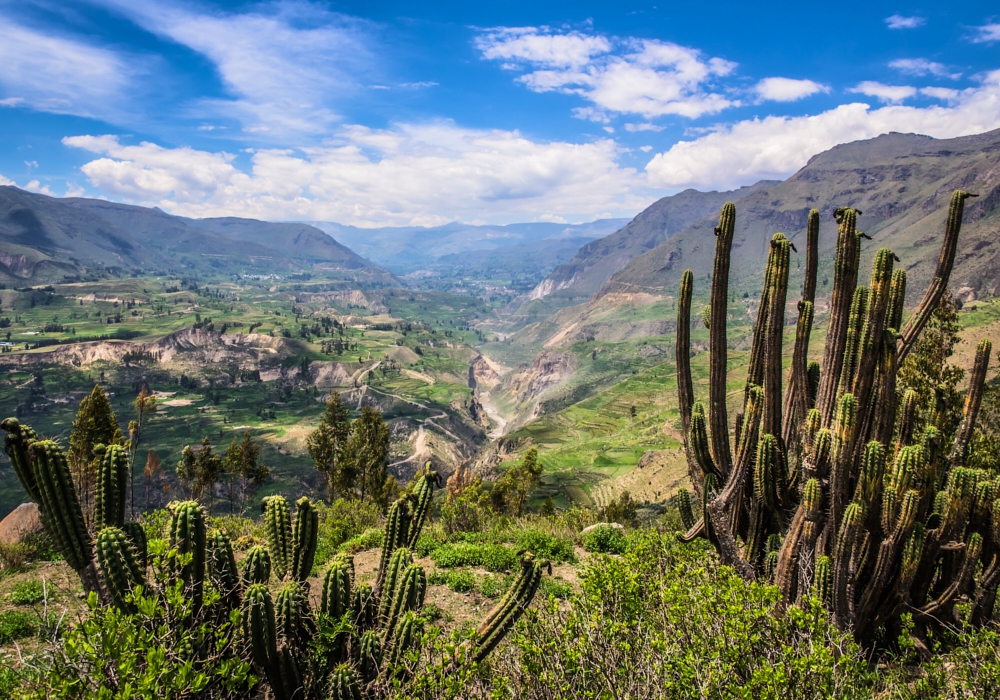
{"x":384,"y":113}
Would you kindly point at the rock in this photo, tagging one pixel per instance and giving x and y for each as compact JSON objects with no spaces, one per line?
{"x":21,"y":522}
{"x":966,"y":294}
{"x":617,"y":526}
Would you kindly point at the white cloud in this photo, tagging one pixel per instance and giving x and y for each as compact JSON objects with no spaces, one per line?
{"x":632,"y":76}
{"x":775,"y":147}
{"x":630,"y":127}
{"x":540,"y":46}
{"x":409,"y":174}
{"x":645,"y":149}
{"x":62,"y":75}
{"x":922,"y":67}
{"x":74,"y":190}
{"x":901,"y":22}
{"x":287,"y":65}
{"x":885,"y":93}
{"x":787,"y":89}
{"x":36,"y":186}
{"x":987,"y":34}
{"x":6,"y":182}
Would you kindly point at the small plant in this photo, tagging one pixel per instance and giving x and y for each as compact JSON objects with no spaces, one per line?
{"x":492,"y":557}
{"x":605,"y":539}
{"x":545,"y":545}
{"x":27,"y":592}
{"x":15,"y":624}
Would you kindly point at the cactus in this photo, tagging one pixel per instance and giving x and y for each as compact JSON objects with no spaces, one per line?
{"x":398,"y":563}
{"x":408,"y":594}
{"x":683,"y":500}
{"x":278,"y":526}
{"x":119,"y":567}
{"x":336,"y":600}
{"x":365,"y":607}
{"x":344,"y":684}
{"x":137,"y":536}
{"x":836,"y":466}
{"x":423,"y":496}
{"x":188,"y":537}
{"x":256,"y":566}
{"x":112,"y":483}
{"x":305,"y":533}
{"x":16,"y":444}
{"x":511,"y":606}
{"x":222,"y":571}
{"x":397,"y":529}
{"x":295,"y":624}
{"x":59,"y":503}
{"x":369,"y":655}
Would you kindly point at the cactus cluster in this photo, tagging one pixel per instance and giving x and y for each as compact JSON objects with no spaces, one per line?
{"x":374,"y":629}
{"x":826,"y":488}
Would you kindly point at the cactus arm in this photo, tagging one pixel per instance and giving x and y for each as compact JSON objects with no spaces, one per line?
{"x":119,"y":568}
{"x":718,"y":351}
{"x":939,"y":283}
{"x":512,"y":605}
{"x":845,"y":279}
{"x":398,"y":563}
{"x":256,"y":566}
{"x":188,"y":536}
{"x":771,"y":421}
{"x":279,"y":534}
{"x":897,"y":298}
{"x":344,"y":684}
{"x":137,"y":536}
{"x":60,"y":503}
{"x":222,"y":570}
{"x":112,"y":480}
{"x":305,"y":533}
{"x":873,"y":336}
{"x":812,"y":257}
{"x":685,"y":386}
{"x":16,"y":443}
{"x":977,"y":383}
{"x":797,"y":395}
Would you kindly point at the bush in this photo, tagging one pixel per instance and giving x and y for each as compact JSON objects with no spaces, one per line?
{"x":343,"y":521}
{"x":15,"y":624}
{"x":555,"y":588}
{"x":27,"y":593}
{"x":369,"y":539}
{"x":605,"y":539}
{"x":492,"y":586}
{"x":546,"y":546}
{"x":492,"y":557}
{"x":14,"y":555}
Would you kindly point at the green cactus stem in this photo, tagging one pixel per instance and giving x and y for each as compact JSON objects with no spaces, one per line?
{"x":222,"y":570}
{"x":295,"y":624}
{"x":256,"y":566}
{"x":343,"y":684}
{"x":365,"y":607}
{"x":685,"y":386}
{"x":112,"y":485}
{"x":512,"y":605}
{"x":305,"y":534}
{"x":119,"y":568}
{"x":684,"y":507}
{"x":407,"y":595}
{"x":397,"y":565}
{"x":397,"y":527}
{"x":188,"y":536}
{"x":423,"y":498}
{"x":278,"y":526}
{"x":16,"y":443}
{"x":336,"y":600}
{"x":369,"y":655}
{"x":59,"y":503}
{"x":718,"y":313}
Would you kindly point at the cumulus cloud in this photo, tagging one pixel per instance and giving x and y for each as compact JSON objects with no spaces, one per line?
{"x":4,"y":181}
{"x":787,"y":89}
{"x":922,"y":67}
{"x":630,"y":127}
{"x":286,"y":65}
{"x":630,"y":76}
{"x":775,"y":147}
{"x":885,"y":93}
{"x":903,"y":22}
{"x":60,"y":74}
{"x":36,"y":186}
{"x":986,"y":34}
{"x":423,"y":174}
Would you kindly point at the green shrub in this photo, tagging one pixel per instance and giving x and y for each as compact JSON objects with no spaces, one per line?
{"x":546,"y":546}
{"x":605,"y":539}
{"x":557,"y":589}
{"x":369,"y":539}
{"x":239,"y":530}
{"x":492,"y":557}
{"x":15,"y":624}
{"x":27,"y":592}
{"x":428,"y":542}
{"x":342,"y":522}
{"x":14,"y":556}
{"x":155,"y":523}
{"x":461,"y":581}
{"x":9,"y":682}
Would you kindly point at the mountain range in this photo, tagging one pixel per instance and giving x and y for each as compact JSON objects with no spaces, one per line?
{"x":47,"y":239}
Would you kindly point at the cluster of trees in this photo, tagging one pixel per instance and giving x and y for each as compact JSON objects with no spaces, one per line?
{"x":201,"y":469}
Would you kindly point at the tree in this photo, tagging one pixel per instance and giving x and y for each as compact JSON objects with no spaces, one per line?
{"x":152,"y":472}
{"x":365,"y":458}
{"x":927,"y":371}
{"x":326,"y":445}
{"x":246,"y":473}
{"x":145,"y":403}
{"x":95,"y":424}
{"x":200,"y":471}
{"x":510,"y":493}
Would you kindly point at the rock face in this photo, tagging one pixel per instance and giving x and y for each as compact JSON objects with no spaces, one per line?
{"x":482,"y":375}
{"x":22,"y":521}
{"x":548,"y":370}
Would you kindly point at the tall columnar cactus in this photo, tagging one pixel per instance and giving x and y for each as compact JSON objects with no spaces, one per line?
{"x":278,"y":525}
{"x":344,"y":684}
{"x":423,"y":497}
{"x":872,"y":517}
{"x":305,"y":533}
{"x":16,"y":444}
{"x":396,"y":535}
{"x":188,"y":542}
{"x":112,"y":487}
{"x":336,"y":600}
{"x":684,"y":507}
{"x":120,"y":568}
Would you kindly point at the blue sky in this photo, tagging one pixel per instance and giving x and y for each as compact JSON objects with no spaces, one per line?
{"x":392,"y":113}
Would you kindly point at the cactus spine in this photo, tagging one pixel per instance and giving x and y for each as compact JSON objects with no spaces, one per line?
{"x":336,"y":598}
{"x":222,"y":570}
{"x":112,"y":484}
{"x":60,"y":504}
{"x":256,"y":566}
{"x":344,"y":684}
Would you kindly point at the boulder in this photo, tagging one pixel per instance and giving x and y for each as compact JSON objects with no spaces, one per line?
{"x":22,"y":521}
{"x":617,"y":526}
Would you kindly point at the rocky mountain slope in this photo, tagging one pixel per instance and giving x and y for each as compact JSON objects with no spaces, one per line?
{"x":44,"y":238}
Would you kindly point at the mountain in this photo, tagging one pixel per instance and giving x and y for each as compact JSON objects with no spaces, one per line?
{"x":48,"y":239}
{"x":901,"y":183}
{"x":596,"y":262}
{"x":405,"y":249}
